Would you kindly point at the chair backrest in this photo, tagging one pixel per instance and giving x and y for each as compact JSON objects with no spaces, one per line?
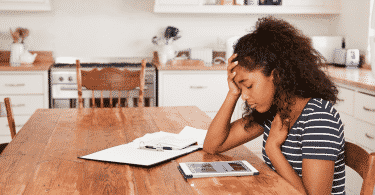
{"x":363,"y":163}
{"x":6,"y":111}
{"x":110,"y":79}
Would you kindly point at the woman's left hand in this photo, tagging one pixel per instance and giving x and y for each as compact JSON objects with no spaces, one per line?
{"x":278,"y":132}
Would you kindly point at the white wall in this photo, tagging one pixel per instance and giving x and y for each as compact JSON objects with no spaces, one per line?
{"x":353,"y":24}
{"x":125,"y":27}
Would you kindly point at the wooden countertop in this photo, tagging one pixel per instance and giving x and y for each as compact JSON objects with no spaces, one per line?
{"x":361,"y":78}
{"x":44,"y":60}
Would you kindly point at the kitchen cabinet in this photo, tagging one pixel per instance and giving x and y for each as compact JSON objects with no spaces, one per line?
{"x":28,"y":91}
{"x":206,"y":89}
{"x":357,"y":112}
{"x":287,"y":7}
{"x":25,"y":5}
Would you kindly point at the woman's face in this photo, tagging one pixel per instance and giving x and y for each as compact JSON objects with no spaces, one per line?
{"x":256,"y":89}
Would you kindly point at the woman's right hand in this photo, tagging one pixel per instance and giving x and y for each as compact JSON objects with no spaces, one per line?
{"x":233,"y":88}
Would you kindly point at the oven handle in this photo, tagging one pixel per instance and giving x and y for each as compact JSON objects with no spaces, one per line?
{"x":75,"y":88}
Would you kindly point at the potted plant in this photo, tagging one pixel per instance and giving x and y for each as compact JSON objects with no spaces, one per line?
{"x":17,"y":47}
{"x":166,"y":51}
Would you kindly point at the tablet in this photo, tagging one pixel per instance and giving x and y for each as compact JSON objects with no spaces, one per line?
{"x":217,"y":169}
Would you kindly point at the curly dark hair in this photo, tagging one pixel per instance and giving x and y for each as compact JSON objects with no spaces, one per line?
{"x":298,"y":67}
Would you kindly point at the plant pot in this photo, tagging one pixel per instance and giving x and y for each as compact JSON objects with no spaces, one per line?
{"x":166,"y":53}
{"x":16,"y":51}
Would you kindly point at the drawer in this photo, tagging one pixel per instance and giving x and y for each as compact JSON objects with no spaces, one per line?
{"x":350,"y":129}
{"x":206,"y":91}
{"x":346,"y":104}
{"x":364,"y":107}
{"x":25,"y":105}
{"x":365,"y":135}
{"x":21,"y":84}
{"x":18,"y":120}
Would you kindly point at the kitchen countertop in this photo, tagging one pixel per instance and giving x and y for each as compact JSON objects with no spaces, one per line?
{"x":360,"y":77}
{"x":43,"y":61}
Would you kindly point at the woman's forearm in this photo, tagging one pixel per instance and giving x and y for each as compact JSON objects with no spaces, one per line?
{"x":220,"y":125}
{"x":283,"y":168}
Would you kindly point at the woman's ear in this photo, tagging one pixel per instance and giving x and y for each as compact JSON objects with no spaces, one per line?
{"x":274,"y":75}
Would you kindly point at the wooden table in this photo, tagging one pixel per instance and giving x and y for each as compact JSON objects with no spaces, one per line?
{"x":42,"y":159}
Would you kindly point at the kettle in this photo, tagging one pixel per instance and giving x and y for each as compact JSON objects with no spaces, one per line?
{"x":27,"y":57}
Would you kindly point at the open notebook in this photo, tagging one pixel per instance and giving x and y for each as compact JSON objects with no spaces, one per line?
{"x":135,"y":152}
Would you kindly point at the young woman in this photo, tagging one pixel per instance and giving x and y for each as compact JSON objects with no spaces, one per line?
{"x":289,"y":100}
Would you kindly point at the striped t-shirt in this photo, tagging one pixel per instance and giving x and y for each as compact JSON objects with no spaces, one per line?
{"x":318,"y":133}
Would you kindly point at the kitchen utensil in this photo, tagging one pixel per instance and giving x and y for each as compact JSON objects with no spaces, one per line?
{"x":352,"y":58}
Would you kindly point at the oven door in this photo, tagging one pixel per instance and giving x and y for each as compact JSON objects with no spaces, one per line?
{"x":66,"y":96}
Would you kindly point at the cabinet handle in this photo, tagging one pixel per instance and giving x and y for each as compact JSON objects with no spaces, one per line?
{"x":340,"y":99}
{"x":369,"y":109}
{"x":18,"y":105}
{"x":68,"y":88}
{"x":72,"y":89}
{"x":197,"y":87}
{"x":84,"y":89}
{"x":15,"y":85}
{"x":369,"y":136}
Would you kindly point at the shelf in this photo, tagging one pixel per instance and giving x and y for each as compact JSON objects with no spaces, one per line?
{"x":237,"y":9}
{"x":25,"y":5}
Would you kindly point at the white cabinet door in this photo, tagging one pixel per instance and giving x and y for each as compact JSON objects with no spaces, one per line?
{"x":25,"y":5}
{"x":346,"y":101}
{"x":350,"y":129}
{"x":205,"y":89}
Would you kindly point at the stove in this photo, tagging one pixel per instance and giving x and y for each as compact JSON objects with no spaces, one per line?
{"x":63,"y":82}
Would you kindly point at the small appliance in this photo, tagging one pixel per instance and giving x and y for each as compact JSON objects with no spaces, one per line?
{"x":352,"y":58}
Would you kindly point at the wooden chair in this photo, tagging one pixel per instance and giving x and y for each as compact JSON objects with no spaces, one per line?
{"x":6,"y":111}
{"x":363,"y":163}
{"x":110,"y":79}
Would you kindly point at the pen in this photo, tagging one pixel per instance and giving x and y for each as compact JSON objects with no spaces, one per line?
{"x":162,"y":148}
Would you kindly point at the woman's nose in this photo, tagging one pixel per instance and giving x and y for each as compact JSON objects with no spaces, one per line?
{"x":244,"y":97}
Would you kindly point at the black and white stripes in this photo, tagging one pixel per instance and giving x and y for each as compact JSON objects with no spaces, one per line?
{"x":318,"y":133}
